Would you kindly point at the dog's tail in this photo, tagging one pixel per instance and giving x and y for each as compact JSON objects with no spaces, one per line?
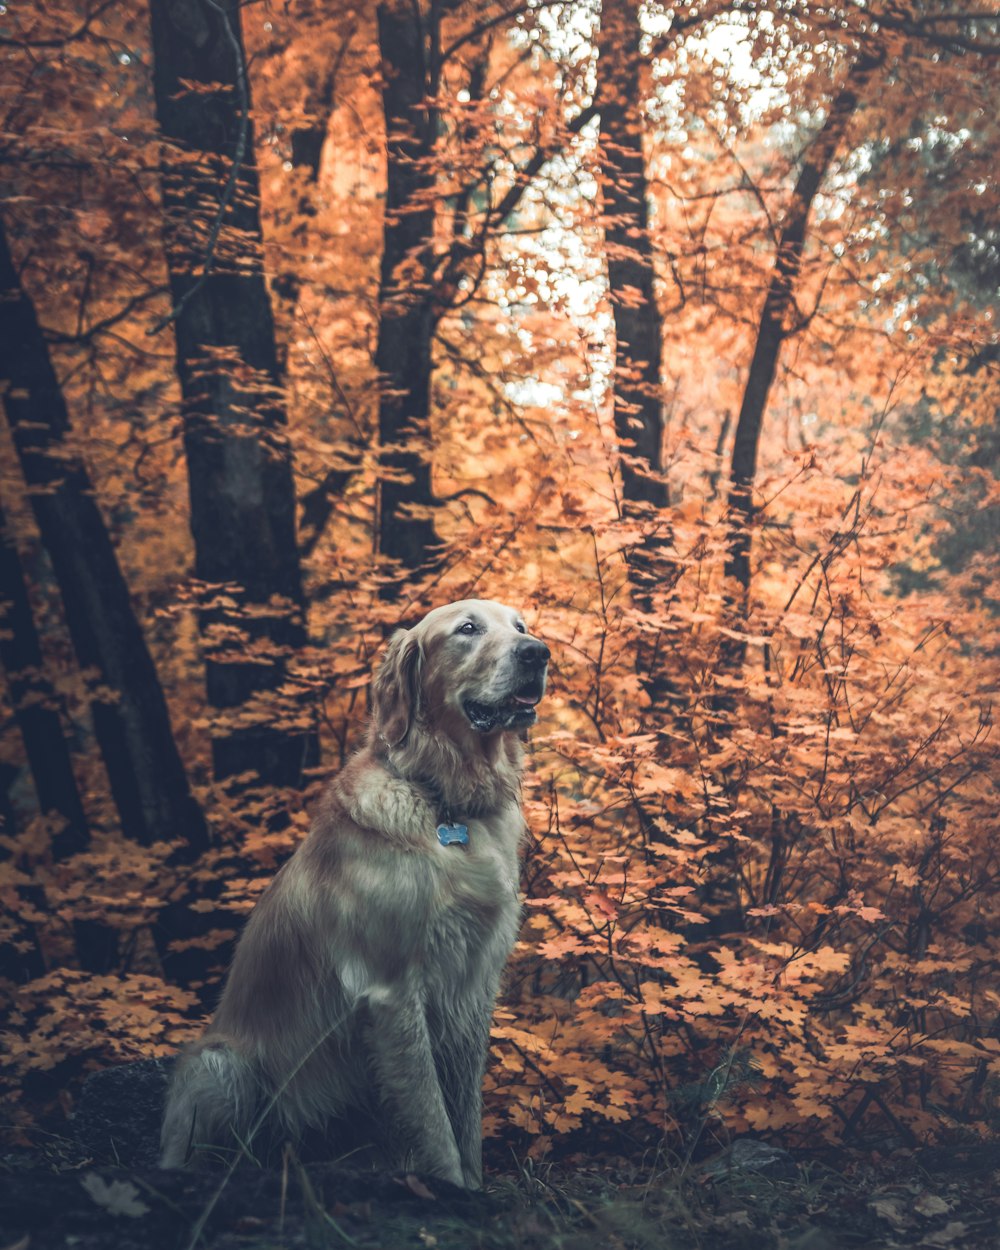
{"x":212,"y":1102}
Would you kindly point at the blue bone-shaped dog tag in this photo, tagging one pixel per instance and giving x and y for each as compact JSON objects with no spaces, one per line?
{"x":448,"y":834}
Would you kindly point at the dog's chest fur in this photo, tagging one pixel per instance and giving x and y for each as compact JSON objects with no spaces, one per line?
{"x":448,"y":915}
{"x":475,"y":922}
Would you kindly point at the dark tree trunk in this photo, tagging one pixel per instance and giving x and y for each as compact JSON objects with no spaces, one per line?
{"x":239,"y":463}
{"x":36,"y":705}
{"x":773,"y":327}
{"x":638,"y":404}
{"x":638,"y":393}
{"x":21,"y":956}
{"x":133,"y":731}
{"x":37,"y":712}
{"x":407,"y":319}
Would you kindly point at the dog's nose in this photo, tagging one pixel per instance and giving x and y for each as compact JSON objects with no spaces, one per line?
{"x":532,"y":653}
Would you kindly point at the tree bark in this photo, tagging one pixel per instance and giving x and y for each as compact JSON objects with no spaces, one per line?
{"x":638,"y":390}
{"x":240,"y":477}
{"x":772,"y":328}
{"x":407,"y":319}
{"x":37,"y":712}
{"x":638,"y":405}
{"x":36,"y":706}
{"x":132,"y":725}
{"x":21,"y":958}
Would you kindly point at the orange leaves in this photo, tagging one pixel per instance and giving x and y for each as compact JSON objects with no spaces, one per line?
{"x":863,"y":912}
{"x":564,"y":1085}
{"x":598,"y":901}
{"x":771,"y":813}
{"x":209,"y":941}
{"x":525,"y":1041}
{"x":657,"y":1000}
{"x":561,"y":946}
{"x":651,"y":778}
{"x":78,"y":1018}
{"x":115,"y":883}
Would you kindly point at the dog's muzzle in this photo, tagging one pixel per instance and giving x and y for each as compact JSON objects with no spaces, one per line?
{"x":517,"y":709}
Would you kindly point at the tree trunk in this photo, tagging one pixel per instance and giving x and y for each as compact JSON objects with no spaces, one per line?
{"x":36,"y":706}
{"x":407,"y":318}
{"x":638,"y":406}
{"x":772,"y":329}
{"x":133,"y":730}
{"x":21,"y":957}
{"x":638,"y":393}
{"x":719,"y":895}
{"x":239,"y":464}
{"x":37,"y":712}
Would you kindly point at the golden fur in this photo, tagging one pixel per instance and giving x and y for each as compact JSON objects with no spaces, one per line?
{"x":363,"y":987}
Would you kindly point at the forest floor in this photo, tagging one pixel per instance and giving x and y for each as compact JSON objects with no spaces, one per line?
{"x":93,"y":1186}
{"x":947,"y":1199}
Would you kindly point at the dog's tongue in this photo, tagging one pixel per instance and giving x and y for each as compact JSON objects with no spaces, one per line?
{"x":529,"y":700}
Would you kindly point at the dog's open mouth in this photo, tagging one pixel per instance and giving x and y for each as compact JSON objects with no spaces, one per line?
{"x":517,"y":711}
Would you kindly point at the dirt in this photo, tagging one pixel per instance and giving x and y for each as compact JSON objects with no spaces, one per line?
{"x":97,"y":1188}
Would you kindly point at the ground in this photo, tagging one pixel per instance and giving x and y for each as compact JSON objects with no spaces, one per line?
{"x":97,"y":1189}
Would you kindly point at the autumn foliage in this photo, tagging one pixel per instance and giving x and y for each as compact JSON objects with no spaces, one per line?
{"x":703,"y":378}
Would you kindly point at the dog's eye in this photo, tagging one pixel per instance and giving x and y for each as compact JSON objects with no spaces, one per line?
{"x":519,"y":626}
{"x":466,"y":627}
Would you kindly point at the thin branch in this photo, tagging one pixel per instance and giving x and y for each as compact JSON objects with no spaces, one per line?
{"x":81,"y":31}
{"x":107,"y":323}
{"x":476,"y":32}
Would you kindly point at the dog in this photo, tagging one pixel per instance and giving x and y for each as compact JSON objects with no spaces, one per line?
{"x":361,"y":993}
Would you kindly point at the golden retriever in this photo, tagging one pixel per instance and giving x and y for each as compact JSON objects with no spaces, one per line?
{"x":362,"y":990}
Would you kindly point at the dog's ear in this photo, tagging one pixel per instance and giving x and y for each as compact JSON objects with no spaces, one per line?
{"x":396,"y":688}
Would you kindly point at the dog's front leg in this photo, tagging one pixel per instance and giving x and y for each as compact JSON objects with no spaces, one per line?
{"x":408,"y":1084}
{"x":462,"y":1052}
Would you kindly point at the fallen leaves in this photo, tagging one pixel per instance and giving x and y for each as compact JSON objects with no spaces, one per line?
{"x":116,"y":1197}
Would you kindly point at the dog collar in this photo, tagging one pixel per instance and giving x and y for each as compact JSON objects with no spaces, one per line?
{"x":449,"y":831}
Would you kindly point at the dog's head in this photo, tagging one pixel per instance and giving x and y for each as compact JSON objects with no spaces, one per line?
{"x":466,"y":668}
